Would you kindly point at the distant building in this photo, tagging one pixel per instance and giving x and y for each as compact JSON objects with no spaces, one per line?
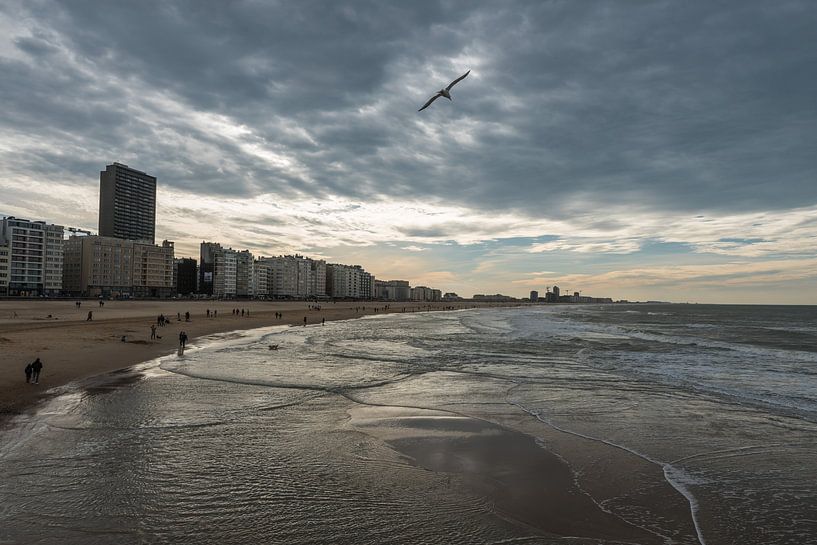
{"x":262,"y":278}
{"x":393,"y":290}
{"x":107,"y":266}
{"x":451,"y":296}
{"x":224,"y":272}
{"x":244,"y":274}
{"x":496,"y":298}
{"x":127,"y":203}
{"x":282,"y":275}
{"x":316,"y":285}
{"x":292,"y":276}
{"x":348,"y":282}
{"x":186,"y":276}
{"x":534,"y":296}
{"x":224,"y":279}
{"x":32,"y":263}
{"x":556,"y":292}
{"x":207,"y":266}
{"x":422,"y":293}
{"x":5,"y":267}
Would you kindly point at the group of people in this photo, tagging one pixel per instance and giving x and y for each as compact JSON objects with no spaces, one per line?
{"x":241,"y":312}
{"x":33,"y":370}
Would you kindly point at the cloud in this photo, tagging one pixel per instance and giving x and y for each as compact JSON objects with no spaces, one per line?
{"x":593,"y":131}
{"x":566,"y":104}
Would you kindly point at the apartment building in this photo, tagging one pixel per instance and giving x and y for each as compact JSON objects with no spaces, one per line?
{"x":127,"y":203}
{"x":34,"y":257}
{"x":108,"y":266}
{"x":393,"y":290}
{"x":348,"y":281}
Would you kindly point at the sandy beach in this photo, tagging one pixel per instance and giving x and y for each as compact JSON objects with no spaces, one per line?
{"x":71,"y":347}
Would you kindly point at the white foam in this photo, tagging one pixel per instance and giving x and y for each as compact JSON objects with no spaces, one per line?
{"x":675,"y":476}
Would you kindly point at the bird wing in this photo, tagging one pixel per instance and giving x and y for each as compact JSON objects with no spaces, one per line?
{"x":453,"y":83}
{"x":432,"y":99}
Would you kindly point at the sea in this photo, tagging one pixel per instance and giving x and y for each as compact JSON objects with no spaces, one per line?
{"x":579,"y":424}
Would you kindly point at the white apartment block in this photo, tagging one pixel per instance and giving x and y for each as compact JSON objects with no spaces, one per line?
{"x":282,"y":276}
{"x":34,"y":250}
{"x":261,"y":278}
{"x":292,"y":276}
{"x":224,"y":279}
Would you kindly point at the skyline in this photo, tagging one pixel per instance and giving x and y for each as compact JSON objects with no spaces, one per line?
{"x":637,"y":152}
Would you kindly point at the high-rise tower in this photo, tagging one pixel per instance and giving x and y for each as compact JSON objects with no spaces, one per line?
{"x":127,"y":203}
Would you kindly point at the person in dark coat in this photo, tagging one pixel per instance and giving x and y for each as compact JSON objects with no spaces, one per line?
{"x":28,"y":372}
{"x":182,"y":339}
{"x":36,"y":367}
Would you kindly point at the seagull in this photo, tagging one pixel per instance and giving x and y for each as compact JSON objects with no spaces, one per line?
{"x":443,"y":92}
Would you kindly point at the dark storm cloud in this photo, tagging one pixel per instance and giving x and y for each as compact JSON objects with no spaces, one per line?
{"x":682,"y":106}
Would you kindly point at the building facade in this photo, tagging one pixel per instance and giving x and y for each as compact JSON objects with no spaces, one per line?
{"x":422,"y":293}
{"x":262,"y":278}
{"x":224,"y":272}
{"x":127,"y":203}
{"x":244,"y":274}
{"x":393,"y":290}
{"x":292,"y":276}
{"x":186,"y":276}
{"x":113,"y":267}
{"x":224,"y":276}
{"x":348,"y":282}
{"x":33,"y":264}
{"x":207,"y":266}
{"x":5,"y":267}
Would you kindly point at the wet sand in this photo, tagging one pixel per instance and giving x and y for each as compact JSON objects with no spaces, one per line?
{"x":548,"y":485}
{"x":529,"y":484}
{"x":73,"y":348}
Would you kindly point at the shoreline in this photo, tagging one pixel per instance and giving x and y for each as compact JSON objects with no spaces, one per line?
{"x":504,"y":461}
{"x":73,"y":348}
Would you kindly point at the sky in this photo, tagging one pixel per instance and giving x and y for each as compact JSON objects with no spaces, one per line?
{"x":633,"y":150}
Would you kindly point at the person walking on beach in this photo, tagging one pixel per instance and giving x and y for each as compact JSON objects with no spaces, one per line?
{"x":182,"y":339}
{"x":304,"y":321}
{"x":36,"y":367}
{"x":187,"y":316}
{"x":29,"y":370}
{"x":152,"y":332}
{"x":323,"y":321}
{"x":90,"y":316}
